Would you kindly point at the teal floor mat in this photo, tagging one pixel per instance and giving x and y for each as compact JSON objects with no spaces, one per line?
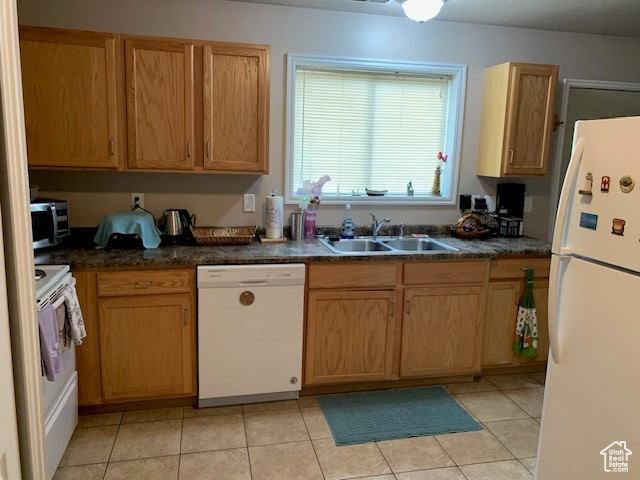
{"x":391,"y":414}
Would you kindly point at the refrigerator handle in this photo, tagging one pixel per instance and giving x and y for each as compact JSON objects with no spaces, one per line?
{"x":565,"y":196}
{"x":552,"y":314}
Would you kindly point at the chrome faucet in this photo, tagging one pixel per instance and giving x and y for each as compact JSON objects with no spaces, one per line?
{"x":401,"y":230}
{"x":376,"y":226}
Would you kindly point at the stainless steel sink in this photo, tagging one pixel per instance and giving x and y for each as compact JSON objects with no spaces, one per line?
{"x":357,"y":245}
{"x":384,"y":245}
{"x":416,"y":244}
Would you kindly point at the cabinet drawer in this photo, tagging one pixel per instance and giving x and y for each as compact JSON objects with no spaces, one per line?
{"x":513,"y":268}
{"x":433,"y":273}
{"x":373,"y":275}
{"x":114,"y":284}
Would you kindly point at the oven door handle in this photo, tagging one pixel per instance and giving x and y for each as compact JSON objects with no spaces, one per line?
{"x":54,"y":219}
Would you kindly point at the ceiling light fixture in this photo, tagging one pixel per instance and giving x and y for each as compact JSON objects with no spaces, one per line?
{"x":422,"y":10}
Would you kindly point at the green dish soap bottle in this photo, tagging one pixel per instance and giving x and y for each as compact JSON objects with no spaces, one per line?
{"x":348,"y":227}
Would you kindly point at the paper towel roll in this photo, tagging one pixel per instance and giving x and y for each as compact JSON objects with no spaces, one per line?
{"x":274,"y":207}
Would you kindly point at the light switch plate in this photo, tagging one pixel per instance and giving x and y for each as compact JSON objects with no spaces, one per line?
{"x":248,"y":203}
{"x":528,"y":204}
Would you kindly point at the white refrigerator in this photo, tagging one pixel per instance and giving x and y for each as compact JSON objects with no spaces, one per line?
{"x":591,"y":412}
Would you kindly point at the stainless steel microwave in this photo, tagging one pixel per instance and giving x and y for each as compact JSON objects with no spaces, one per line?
{"x":49,"y":222}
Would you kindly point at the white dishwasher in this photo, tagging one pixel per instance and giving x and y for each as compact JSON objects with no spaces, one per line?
{"x":249,"y":333}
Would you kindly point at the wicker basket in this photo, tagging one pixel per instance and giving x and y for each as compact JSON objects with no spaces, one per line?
{"x":218,"y":236}
{"x":470,"y":227}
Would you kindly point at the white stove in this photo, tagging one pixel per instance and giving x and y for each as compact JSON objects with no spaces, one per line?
{"x":47,"y":276}
{"x":60,"y":397}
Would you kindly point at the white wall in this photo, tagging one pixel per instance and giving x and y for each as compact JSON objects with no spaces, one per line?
{"x":216,"y":199}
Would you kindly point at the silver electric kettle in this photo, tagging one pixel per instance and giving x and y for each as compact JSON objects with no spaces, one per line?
{"x":173,"y":225}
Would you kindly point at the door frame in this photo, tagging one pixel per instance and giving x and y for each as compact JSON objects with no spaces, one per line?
{"x":567,"y":85}
{"x":18,"y":246}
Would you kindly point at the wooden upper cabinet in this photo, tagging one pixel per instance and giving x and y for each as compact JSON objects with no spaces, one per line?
{"x":160,"y":104}
{"x":235,"y":107}
{"x":517,"y":120}
{"x":69,"y":84}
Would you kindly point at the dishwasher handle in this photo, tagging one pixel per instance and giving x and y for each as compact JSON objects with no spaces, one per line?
{"x":252,"y":282}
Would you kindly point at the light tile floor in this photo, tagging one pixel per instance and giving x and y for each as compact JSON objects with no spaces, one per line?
{"x":291,"y":441}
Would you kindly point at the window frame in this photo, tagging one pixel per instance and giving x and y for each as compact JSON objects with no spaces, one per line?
{"x":453,"y":131}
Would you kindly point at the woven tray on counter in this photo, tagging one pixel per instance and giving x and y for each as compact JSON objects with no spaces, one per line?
{"x":218,"y":236}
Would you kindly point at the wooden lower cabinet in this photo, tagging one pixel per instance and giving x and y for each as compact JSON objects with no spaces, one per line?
{"x":440,"y":331}
{"x":350,"y":336}
{"x":140,"y":342}
{"x":500,"y":323}
{"x":146,"y":346}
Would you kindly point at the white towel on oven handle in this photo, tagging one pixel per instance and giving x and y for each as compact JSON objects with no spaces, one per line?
{"x":74,"y":314}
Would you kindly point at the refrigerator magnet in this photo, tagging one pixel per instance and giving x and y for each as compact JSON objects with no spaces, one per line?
{"x":627,"y":182}
{"x":618,"y":226}
{"x":604,"y":184}
{"x":588,"y":220}
{"x":588,"y":185}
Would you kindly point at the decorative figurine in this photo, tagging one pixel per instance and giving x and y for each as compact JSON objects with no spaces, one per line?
{"x":627,"y":183}
{"x":435,"y":190}
{"x":588,"y":185}
{"x":604,"y":184}
{"x":409,"y":190}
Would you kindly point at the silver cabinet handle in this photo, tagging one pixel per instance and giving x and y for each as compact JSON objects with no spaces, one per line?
{"x":510,"y":156}
{"x":112,"y":147}
{"x":209,"y":148}
{"x":189,"y":148}
{"x":185,"y":317}
{"x":142,"y":285}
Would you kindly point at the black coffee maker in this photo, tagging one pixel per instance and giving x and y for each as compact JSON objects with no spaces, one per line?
{"x":510,"y":209}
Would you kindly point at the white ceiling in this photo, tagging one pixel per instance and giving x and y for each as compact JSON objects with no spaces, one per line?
{"x":607,"y":17}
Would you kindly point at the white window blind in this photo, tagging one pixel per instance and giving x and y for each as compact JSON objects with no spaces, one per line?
{"x":372,"y":130}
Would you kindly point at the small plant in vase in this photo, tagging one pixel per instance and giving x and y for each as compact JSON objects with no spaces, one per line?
{"x":435,"y":190}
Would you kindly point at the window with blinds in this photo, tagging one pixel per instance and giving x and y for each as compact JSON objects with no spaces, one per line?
{"x":375,"y":129}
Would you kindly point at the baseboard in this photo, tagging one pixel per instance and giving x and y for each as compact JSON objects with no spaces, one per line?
{"x":383,"y":385}
{"x":533,"y":368}
{"x":139,"y":405}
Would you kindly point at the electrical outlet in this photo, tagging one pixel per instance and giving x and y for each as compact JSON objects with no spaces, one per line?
{"x":528,"y":204}
{"x":491,"y":202}
{"x":137,"y":198}
{"x":248,"y":203}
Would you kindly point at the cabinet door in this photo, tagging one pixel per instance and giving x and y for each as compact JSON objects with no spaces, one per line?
{"x":160,"y":104}
{"x":88,"y":354}
{"x":70,"y":108}
{"x":530,"y":119}
{"x":349,"y":336}
{"x":146,"y":344}
{"x":500,"y":324}
{"x":541,"y":297}
{"x":441,"y":331}
{"x":235,"y":108}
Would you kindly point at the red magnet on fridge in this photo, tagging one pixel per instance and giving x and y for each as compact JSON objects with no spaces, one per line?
{"x":618,"y":227}
{"x":604,"y":184}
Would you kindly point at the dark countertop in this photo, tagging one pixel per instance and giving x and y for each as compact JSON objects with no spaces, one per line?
{"x":313,"y":251}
